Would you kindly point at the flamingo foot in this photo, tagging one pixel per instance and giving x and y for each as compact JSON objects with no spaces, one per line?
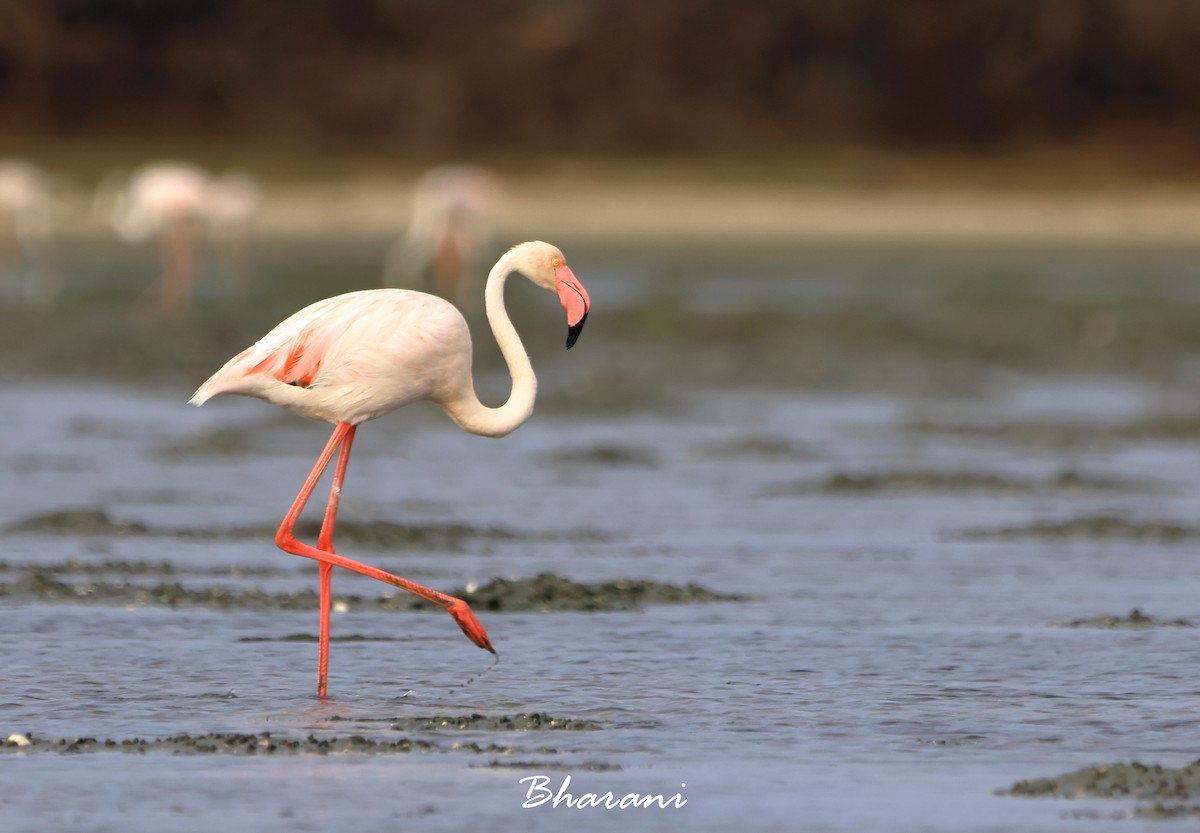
{"x":466,"y":620}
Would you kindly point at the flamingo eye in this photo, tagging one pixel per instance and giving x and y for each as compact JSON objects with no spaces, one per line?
{"x":557,"y":262}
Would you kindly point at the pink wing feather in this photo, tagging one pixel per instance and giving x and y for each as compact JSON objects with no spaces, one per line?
{"x":292,"y":353}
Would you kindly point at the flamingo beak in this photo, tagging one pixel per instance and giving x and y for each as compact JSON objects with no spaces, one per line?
{"x":575,"y":301}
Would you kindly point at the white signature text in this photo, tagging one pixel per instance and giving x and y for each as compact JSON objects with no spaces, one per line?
{"x":540,"y":793}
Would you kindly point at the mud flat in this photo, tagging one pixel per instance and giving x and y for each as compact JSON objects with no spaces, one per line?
{"x":433,"y":733}
{"x":1065,"y":435}
{"x":1173,"y":792}
{"x":550,"y":592}
{"x":90,"y":521}
{"x":76,"y":522}
{"x":1136,"y":620}
{"x":1093,"y":527}
{"x":546,"y":592}
{"x":523,"y":722}
{"x":264,"y":743}
{"x":912,"y":481}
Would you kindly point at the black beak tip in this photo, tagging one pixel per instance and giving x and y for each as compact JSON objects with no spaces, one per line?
{"x":574,"y":331}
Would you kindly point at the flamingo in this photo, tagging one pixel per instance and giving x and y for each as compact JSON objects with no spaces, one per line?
{"x":171,"y":201}
{"x":358,"y":356}
{"x":451,"y":211}
{"x":164,"y":200}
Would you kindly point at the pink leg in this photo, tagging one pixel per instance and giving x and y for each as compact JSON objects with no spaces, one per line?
{"x":325,"y":585}
{"x":286,"y":540}
{"x":325,"y":542}
{"x":178,"y":250}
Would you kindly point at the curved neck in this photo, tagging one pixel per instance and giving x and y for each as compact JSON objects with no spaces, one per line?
{"x":471,"y":414}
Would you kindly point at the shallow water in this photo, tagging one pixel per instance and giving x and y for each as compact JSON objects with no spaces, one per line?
{"x":897,"y":663}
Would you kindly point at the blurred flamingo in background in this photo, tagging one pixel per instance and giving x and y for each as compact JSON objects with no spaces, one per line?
{"x":173,"y":202}
{"x":163,"y":200}
{"x":26,"y":206}
{"x":361,"y":355}
{"x":450,"y":222}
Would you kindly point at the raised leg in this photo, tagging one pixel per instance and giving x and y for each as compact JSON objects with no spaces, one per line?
{"x":286,"y":540}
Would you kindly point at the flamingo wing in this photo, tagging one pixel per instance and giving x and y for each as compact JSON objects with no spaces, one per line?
{"x":354,"y":357}
{"x":293,"y":353}
{"x":298,"y":361}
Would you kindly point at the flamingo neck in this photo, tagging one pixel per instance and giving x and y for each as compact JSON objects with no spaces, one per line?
{"x":471,"y":414}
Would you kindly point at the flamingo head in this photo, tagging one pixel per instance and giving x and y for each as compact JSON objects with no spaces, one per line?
{"x":545,"y":265}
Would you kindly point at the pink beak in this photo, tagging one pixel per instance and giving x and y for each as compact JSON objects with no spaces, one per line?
{"x":575,"y":301}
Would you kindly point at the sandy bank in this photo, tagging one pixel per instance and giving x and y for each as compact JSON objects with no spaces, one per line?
{"x":625,"y":208}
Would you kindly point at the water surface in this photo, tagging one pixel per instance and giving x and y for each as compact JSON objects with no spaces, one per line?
{"x":896,"y":660}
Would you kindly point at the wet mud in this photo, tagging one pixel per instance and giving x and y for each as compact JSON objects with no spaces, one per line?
{"x":524,"y":722}
{"x":372,"y":535}
{"x":312,"y":637}
{"x":1174,"y":792}
{"x":225,"y":743}
{"x":223,"y":441}
{"x":866,"y":483}
{"x":553,"y":766}
{"x":437,"y":735}
{"x":546,"y":593}
{"x":549,"y":592}
{"x":1067,"y":435}
{"x":387,"y":535}
{"x":74,"y":566}
{"x":1136,"y":620}
{"x":753,"y":448}
{"x":76,"y":522}
{"x":604,"y":456}
{"x":1095,"y":527}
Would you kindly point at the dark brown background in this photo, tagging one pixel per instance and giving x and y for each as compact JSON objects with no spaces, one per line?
{"x":614,"y":76}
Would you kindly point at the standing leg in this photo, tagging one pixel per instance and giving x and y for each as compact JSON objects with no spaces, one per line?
{"x":286,"y":540}
{"x":325,"y":569}
{"x":325,"y":543}
{"x":178,"y":251}
{"x":325,"y":585}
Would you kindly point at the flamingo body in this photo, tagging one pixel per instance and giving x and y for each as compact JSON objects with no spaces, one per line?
{"x":173,"y":202}
{"x":358,"y":356}
{"x":24,"y":190}
{"x":354,"y":357}
{"x":159,"y":195}
{"x":450,"y":222}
